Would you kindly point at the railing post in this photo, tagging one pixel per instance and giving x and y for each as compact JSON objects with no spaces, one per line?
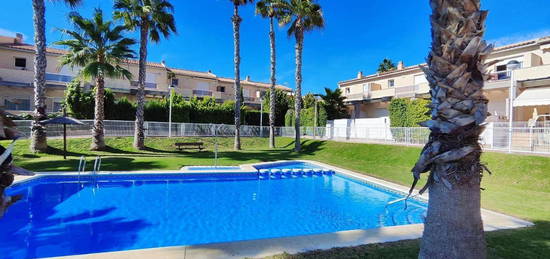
{"x":146,"y":125}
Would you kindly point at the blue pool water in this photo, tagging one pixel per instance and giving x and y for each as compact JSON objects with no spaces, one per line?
{"x":206,"y":168}
{"x":60,"y":216}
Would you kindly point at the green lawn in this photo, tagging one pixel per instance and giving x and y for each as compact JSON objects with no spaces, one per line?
{"x":519,"y":186}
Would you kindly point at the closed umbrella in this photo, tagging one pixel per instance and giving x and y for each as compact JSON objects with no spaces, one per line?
{"x":65,"y":121}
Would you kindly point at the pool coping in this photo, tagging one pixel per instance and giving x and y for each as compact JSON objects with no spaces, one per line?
{"x":294,"y":244}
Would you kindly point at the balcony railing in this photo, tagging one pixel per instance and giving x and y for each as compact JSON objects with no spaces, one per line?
{"x":58,"y":78}
{"x":500,"y":75}
{"x":202,"y":93}
{"x":147,"y":85}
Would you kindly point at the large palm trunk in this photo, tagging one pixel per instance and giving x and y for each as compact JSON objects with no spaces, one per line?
{"x":139,"y":135}
{"x":98,"y":134}
{"x":453,"y":226}
{"x":38,"y":136}
{"x":237,"y":60}
{"x":272,"y":99}
{"x":298,"y":92}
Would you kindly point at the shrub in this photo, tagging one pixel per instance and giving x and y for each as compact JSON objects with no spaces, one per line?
{"x":408,"y":113}
{"x":307,"y":117}
{"x":252,"y":117}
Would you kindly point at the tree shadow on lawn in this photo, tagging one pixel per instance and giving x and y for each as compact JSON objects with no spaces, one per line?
{"x":308,"y":148}
{"x":107,"y":164}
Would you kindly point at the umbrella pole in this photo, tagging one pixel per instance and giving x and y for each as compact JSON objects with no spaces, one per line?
{"x":64,"y":135}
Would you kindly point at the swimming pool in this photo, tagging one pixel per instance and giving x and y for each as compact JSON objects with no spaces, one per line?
{"x":62,"y":216}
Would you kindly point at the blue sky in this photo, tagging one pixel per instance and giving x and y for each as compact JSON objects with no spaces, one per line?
{"x":357,"y":36}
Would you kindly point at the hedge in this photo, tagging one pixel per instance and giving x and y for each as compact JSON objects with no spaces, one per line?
{"x":408,"y":113}
{"x":80,"y":104}
{"x":307,"y":117}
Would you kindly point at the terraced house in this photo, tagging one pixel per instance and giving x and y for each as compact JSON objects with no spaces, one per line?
{"x":518,"y":88}
{"x":16,"y":77}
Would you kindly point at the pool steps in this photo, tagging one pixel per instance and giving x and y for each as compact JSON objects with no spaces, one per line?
{"x":295,"y":172}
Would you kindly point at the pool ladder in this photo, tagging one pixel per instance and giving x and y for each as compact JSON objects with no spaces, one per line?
{"x":97,"y":165}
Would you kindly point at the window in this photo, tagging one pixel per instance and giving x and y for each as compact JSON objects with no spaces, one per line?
{"x":347,"y":90}
{"x":18,"y":104}
{"x":221,"y":89}
{"x":21,"y":63}
{"x":175,"y":81}
{"x":366,"y":88}
{"x":57,"y":105}
{"x":391,"y":83}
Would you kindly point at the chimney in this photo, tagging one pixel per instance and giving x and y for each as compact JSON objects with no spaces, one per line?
{"x":400,"y":65}
{"x":247,"y":78}
{"x":18,"y":38}
{"x":360,"y":75}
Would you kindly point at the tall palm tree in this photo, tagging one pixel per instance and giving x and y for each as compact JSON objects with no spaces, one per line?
{"x":153,"y":18}
{"x":268,"y":9}
{"x":236,"y":19}
{"x":38,"y":132}
{"x":453,"y":226}
{"x":303,"y":16}
{"x":99,"y":49}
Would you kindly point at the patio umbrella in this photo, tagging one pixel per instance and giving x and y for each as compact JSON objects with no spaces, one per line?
{"x":63,"y":120}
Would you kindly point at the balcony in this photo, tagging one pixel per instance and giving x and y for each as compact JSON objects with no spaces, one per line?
{"x":58,"y":78}
{"x":388,"y":92}
{"x":202,"y":93}
{"x":23,"y":77}
{"x":533,"y":76}
{"x":147,"y":85}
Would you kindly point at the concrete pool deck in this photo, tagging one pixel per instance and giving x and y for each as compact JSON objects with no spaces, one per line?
{"x":295,"y":244}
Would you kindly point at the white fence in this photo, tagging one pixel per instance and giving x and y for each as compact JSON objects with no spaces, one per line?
{"x":495,"y":137}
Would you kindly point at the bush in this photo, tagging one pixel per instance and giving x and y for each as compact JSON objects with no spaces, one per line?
{"x":408,"y":113}
{"x":252,"y":117}
{"x":282,"y":104}
{"x":123,"y":110}
{"x":307,"y":117}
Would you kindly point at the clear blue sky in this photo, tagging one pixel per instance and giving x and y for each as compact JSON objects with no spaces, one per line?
{"x":358,"y":35}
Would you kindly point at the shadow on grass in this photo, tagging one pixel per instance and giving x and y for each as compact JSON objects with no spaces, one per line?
{"x":107,"y":164}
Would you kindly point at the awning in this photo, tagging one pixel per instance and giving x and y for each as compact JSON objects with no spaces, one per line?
{"x":533,"y":97}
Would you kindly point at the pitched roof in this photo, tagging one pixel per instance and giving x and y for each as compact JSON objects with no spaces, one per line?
{"x":252,"y":83}
{"x":178,"y":71}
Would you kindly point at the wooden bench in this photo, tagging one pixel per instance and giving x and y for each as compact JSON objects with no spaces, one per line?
{"x":189,"y":145}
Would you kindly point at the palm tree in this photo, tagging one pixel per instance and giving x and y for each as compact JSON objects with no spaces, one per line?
{"x":153,"y":18}
{"x":385,"y":66}
{"x":303,"y":16}
{"x":98,"y":49}
{"x":38,"y":132}
{"x":268,"y":9}
{"x":453,"y":226}
{"x":236,"y":19}
{"x":334,"y":104}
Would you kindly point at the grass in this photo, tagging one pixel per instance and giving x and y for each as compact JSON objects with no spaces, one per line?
{"x":519,"y":186}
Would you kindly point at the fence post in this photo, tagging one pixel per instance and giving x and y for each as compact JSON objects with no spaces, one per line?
{"x":146,"y":125}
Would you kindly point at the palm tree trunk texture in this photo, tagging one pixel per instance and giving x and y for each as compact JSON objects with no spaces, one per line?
{"x":38,"y":136}
{"x":139,"y":134}
{"x":272,"y":99}
{"x":453,"y":227}
{"x":298,"y":92}
{"x":237,"y":60}
{"x":98,"y":134}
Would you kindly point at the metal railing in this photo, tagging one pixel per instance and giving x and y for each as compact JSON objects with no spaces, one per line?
{"x":497,"y":136}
